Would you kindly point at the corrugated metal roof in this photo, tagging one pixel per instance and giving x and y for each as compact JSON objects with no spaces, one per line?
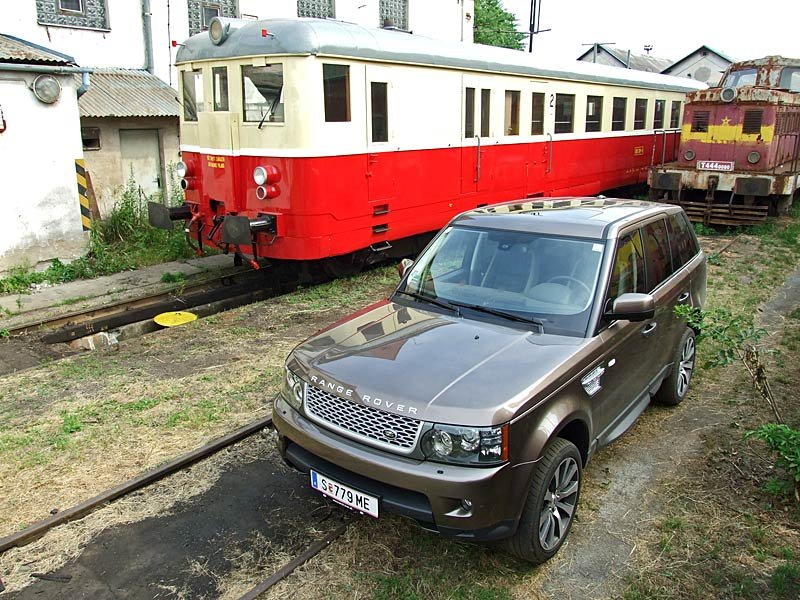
{"x":127,"y":93}
{"x":19,"y":51}
{"x":637,"y":62}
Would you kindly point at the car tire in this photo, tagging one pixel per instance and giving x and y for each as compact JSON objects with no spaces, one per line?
{"x":676,"y":385}
{"x":550,"y":506}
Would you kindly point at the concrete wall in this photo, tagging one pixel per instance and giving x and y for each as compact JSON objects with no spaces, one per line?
{"x":104,"y":165}
{"x":38,"y":187}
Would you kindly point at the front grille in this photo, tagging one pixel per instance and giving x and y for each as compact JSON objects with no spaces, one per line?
{"x":752,"y":122}
{"x":363,"y":422}
{"x":700,"y":121}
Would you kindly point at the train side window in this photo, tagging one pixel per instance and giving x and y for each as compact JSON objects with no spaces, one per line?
{"x":565,"y":113}
{"x":619,"y":109}
{"x":639,"y":113}
{"x":219,"y":77}
{"x":512,"y":113}
{"x":192,"y":94}
{"x":336,"y":89}
{"x":658,"y":116}
{"x":380,"y":111}
{"x":262,"y":93}
{"x":486,"y":99}
{"x":537,"y":113}
{"x":469,"y":112}
{"x":675,"y":114}
{"x":790,"y":79}
{"x":657,"y":253}
{"x":594,"y":113}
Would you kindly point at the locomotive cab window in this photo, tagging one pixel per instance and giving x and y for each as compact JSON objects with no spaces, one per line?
{"x":640,"y":113}
{"x":512,"y":113}
{"x":565,"y":113}
{"x":537,"y":113}
{"x":192,"y":94}
{"x":618,"y":114}
{"x":737,"y":79}
{"x":262,"y":93}
{"x":219,"y":78}
{"x":336,"y":89}
{"x":469,"y":112}
{"x":594,"y":113}
{"x":380,"y":112}
{"x":658,"y":116}
{"x":790,"y":79}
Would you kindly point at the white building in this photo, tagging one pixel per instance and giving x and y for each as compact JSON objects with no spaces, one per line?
{"x":704,"y":64}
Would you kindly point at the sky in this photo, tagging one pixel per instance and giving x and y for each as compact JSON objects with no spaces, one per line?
{"x":674,"y":27}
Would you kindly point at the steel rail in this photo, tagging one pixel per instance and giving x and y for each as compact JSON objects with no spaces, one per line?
{"x":36,"y":530}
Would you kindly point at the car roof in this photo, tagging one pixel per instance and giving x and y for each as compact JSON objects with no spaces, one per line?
{"x":594,"y":218}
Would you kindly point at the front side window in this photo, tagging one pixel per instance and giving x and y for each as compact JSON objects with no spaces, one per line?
{"x":628,"y":273}
{"x":469,"y":113}
{"x":565,"y":113}
{"x":537,"y":113}
{"x":262,"y":93}
{"x":675,"y":114}
{"x":640,"y":113}
{"x":658,"y":117}
{"x":192,"y":94}
{"x":336,"y":90}
{"x":486,"y":99}
{"x":219,"y":77}
{"x":594,"y":113}
{"x":380,"y":112}
{"x":530,"y":275}
{"x":512,"y":113}
{"x":657,"y":253}
{"x":618,"y":114}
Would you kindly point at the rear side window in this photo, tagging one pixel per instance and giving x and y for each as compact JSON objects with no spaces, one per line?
{"x":628,"y":274}
{"x":657,"y":253}
{"x":681,"y":239}
{"x":336,"y":89}
{"x":192,"y":94}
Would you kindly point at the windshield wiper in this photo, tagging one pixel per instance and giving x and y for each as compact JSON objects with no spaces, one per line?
{"x":424,"y":298}
{"x":501,"y":313}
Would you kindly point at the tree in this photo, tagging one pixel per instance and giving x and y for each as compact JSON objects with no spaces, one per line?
{"x":495,"y":26}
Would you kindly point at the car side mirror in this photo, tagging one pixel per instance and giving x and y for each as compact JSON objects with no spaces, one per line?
{"x":632,"y":307}
{"x":404,"y":266}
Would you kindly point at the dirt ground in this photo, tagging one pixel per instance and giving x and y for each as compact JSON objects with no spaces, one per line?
{"x":72,"y":428}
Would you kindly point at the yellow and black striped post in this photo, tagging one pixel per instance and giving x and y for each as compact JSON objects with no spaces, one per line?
{"x":86,"y":213}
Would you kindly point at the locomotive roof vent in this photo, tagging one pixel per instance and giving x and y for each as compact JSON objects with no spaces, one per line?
{"x":728,"y":94}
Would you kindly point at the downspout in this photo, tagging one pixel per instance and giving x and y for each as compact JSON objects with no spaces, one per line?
{"x":84,"y":87}
{"x":148,"y":36}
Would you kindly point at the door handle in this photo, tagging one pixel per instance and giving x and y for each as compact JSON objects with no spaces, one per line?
{"x":651,"y":327}
{"x":683,"y":297}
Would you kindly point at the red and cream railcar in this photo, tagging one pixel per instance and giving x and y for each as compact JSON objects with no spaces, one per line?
{"x":306,"y":139}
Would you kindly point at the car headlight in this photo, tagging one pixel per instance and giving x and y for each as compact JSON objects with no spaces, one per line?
{"x":466,"y":445}
{"x":294,"y":389}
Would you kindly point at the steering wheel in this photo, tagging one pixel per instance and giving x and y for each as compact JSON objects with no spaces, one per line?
{"x":569,"y":279}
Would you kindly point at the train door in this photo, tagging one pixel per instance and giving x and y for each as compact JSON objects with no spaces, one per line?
{"x":540,"y":150}
{"x":477,"y":133}
{"x":382,"y":163}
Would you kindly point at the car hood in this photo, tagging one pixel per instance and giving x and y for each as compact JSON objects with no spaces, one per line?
{"x":436,"y":367}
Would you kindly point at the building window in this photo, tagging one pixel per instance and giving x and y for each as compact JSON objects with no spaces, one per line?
{"x":321,"y":9}
{"x":469,"y":113}
{"x":486,"y":108}
{"x":262,"y":93}
{"x":88,"y":14}
{"x":202,"y":11}
{"x":618,"y":114}
{"x":91,"y":138}
{"x":192,"y":94}
{"x":658,"y":117}
{"x":675,"y":114}
{"x":512,"y":113}
{"x":565,"y":113}
{"x":639,"y":113}
{"x":219,"y":78}
{"x":393,"y":13}
{"x":336,"y":89}
{"x":594,"y":113}
{"x":380,"y":112}
{"x":537,"y":113}
{"x":209,"y":12}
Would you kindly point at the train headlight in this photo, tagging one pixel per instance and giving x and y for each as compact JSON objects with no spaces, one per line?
{"x":689,"y":155}
{"x":218,"y":31}
{"x":753,"y":157}
{"x":728,"y":94}
{"x":181,"y":169}
{"x":265,"y":175}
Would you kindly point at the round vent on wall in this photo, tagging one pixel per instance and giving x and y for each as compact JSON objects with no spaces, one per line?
{"x":702,"y":74}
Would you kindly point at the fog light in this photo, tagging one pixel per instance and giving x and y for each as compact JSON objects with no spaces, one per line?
{"x":689,"y":155}
{"x":754,"y":157}
{"x":466,"y":505}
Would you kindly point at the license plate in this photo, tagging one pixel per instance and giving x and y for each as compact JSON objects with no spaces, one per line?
{"x":344,"y":494}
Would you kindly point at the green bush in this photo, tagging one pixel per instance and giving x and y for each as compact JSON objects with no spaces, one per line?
{"x":784,"y":441}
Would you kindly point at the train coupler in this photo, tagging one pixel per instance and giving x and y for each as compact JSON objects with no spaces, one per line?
{"x":162,"y":216}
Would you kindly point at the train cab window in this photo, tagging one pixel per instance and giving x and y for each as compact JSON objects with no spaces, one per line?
{"x":639,"y":113}
{"x":469,"y":112}
{"x":565,"y":113}
{"x":262,"y":93}
{"x":537,"y":113}
{"x":658,"y":116}
{"x":219,"y":78}
{"x":380,"y":111}
{"x":675,"y":114}
{"x":737,"y":79}
{"x":511,"y":126}
{"x":594,"y":113}
{"x":486,"y":111}
{"x":336,"y":88}
{"x":619,"y":109}
{"x":790,"y":79}
{"x":192,"y":94}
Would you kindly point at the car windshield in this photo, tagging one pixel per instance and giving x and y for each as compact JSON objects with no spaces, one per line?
{"x":542,"y":278}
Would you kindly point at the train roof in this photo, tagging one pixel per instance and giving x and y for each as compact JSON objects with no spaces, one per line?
{"x":325,"y":37}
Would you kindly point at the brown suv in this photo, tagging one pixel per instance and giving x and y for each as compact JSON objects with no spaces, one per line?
{"x":526,"y":336}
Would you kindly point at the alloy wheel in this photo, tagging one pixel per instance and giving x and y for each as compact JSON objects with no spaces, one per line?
{"x":559,"y":503}
{"x":686,"y":366}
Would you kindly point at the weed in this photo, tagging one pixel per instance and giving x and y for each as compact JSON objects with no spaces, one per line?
{"x":75,"y":300}
{"x":5,"y":333}
{"x":784,"y":442}
{"x":785,"y":580}
{"x":173,"y":277}
{"x":71,"y":423}
{"x":701,"y":229}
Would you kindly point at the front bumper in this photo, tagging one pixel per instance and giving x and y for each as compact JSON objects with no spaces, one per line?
{"x":429,"y":493}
